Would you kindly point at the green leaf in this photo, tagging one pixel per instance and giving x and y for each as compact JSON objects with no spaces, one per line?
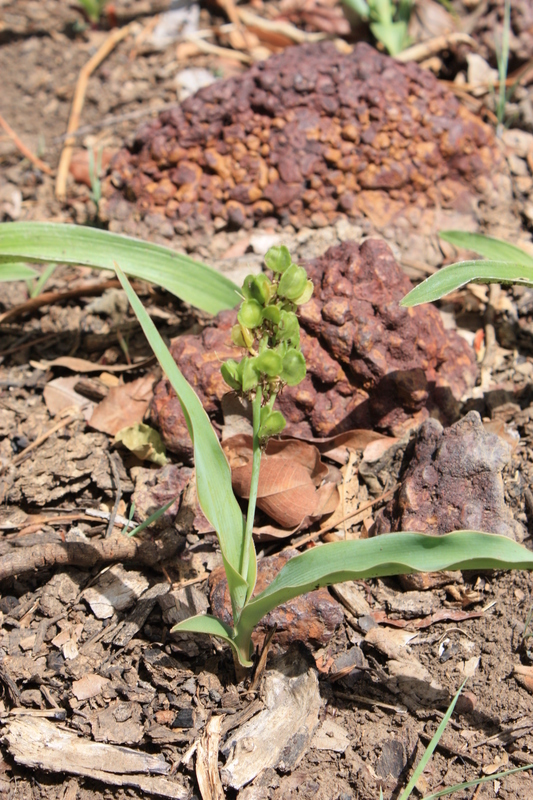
{"x":487,"y":246}
{"x":392,"y":35}
{"x":230,"y":373}
{"x":15,"y":271}
{"x":192,"y":281}
{"x":448,"y":279}
{"x":205,"y":623}
{"x":389,"y":554}
{"x":213,"y":474}
{"x":306,"y":295}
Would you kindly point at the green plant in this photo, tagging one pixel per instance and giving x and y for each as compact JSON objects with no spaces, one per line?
{"x":502,"y":55}
{"x":95,"y":168}
{"x":93,"y":8}
{"x":504,"y":263}
{"x":430,"y":749}
{"x":274,"y":358}
{"x":37,"y":242}
{"x":388,"y":21}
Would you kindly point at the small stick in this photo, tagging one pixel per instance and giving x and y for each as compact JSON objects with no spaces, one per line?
{"x":223,"y":52}
{"x":418,"y":52}
{"x":48,"y":298}
{"x":118,"y":488}
{"x":24,"y":150}
{"x":77,"y":105}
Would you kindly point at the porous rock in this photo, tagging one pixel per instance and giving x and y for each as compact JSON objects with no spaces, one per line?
{"x":310,"y":618}
{"x":453,"y":482}
{"x":305,"y":137}
{"x":370,"y":363}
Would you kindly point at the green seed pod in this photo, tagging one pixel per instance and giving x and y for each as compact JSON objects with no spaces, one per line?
{"x":230,"y":372}
{"x":261,"y":289}
{"x":241,"y":336}
{"x":306,"y":294}
{"x":293,"y":282}
{"x":273,"y":314}
{"x":272,"y":424}
{"x":247,"y":286}
{"x":288,"y":328}
{"x":278,"y":259}
{"x":293,"y":368}
{"x":250,"y":314}
{"x":250,"y":376}
{"x":269,"y":362}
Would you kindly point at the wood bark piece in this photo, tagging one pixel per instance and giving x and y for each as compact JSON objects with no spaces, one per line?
{"x":278,"y":736}
{"x":36,"y":743}
{"x":207,"y":773}
{"x":88,"y":554}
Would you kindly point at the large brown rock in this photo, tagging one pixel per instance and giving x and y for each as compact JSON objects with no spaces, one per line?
{"x":370,"y":363}
{"x":305,"y":137}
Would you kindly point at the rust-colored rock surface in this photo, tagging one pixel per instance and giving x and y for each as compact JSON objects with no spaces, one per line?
{"x":305,"y":137}
{"x":371,"y":364}
{"x":310,"y":618}
{"x":453,"y":482}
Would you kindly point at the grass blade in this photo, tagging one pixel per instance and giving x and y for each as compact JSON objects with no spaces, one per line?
{"x":390,"y":554}
{"x":213,"y":474}
{"x":487,"y":246}
{"x":430,"y":749}
{"x":192,"y":281}
{"x":448,"y":279}
{"x":470,"y":784}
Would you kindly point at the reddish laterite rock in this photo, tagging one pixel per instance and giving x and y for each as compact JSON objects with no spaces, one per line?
{"x":306,"y":137}
{"x":310,"y":618}
{"x":370,"y":363}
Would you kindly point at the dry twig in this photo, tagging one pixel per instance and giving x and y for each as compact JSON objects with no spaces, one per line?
{"x":418,"y":52}
{"x":26,"y":152}
{"x":77,"y":105}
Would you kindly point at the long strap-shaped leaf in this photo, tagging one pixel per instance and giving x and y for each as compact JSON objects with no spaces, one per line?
{"x":213,"y":475}
{"x":448,"y":279}
{"x":389,"y":554}
{"x":192,"y":281}
{"x":487,"y":246}
{"x":506,"y":264}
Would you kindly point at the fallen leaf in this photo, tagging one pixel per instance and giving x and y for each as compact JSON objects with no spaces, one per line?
{"x":291,"y":487}
{"x":124,"y":406}
{"x":60,"y":394}
{"x":144,"y":442}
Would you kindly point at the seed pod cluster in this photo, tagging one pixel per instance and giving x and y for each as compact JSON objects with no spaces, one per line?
{"x":370,"y":363}
{"x":267,"y":327}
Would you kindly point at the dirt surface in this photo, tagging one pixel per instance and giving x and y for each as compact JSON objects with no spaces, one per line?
{"x":98,"y":698}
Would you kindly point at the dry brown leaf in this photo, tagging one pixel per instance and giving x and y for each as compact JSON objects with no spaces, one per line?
{"x":124,"y":405}
{"x":290,"y":479}
{"x":60,"y":394}
{"x":337,"y":447}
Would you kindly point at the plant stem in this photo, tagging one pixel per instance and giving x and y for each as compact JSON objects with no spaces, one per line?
{"x":254,"y":482}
